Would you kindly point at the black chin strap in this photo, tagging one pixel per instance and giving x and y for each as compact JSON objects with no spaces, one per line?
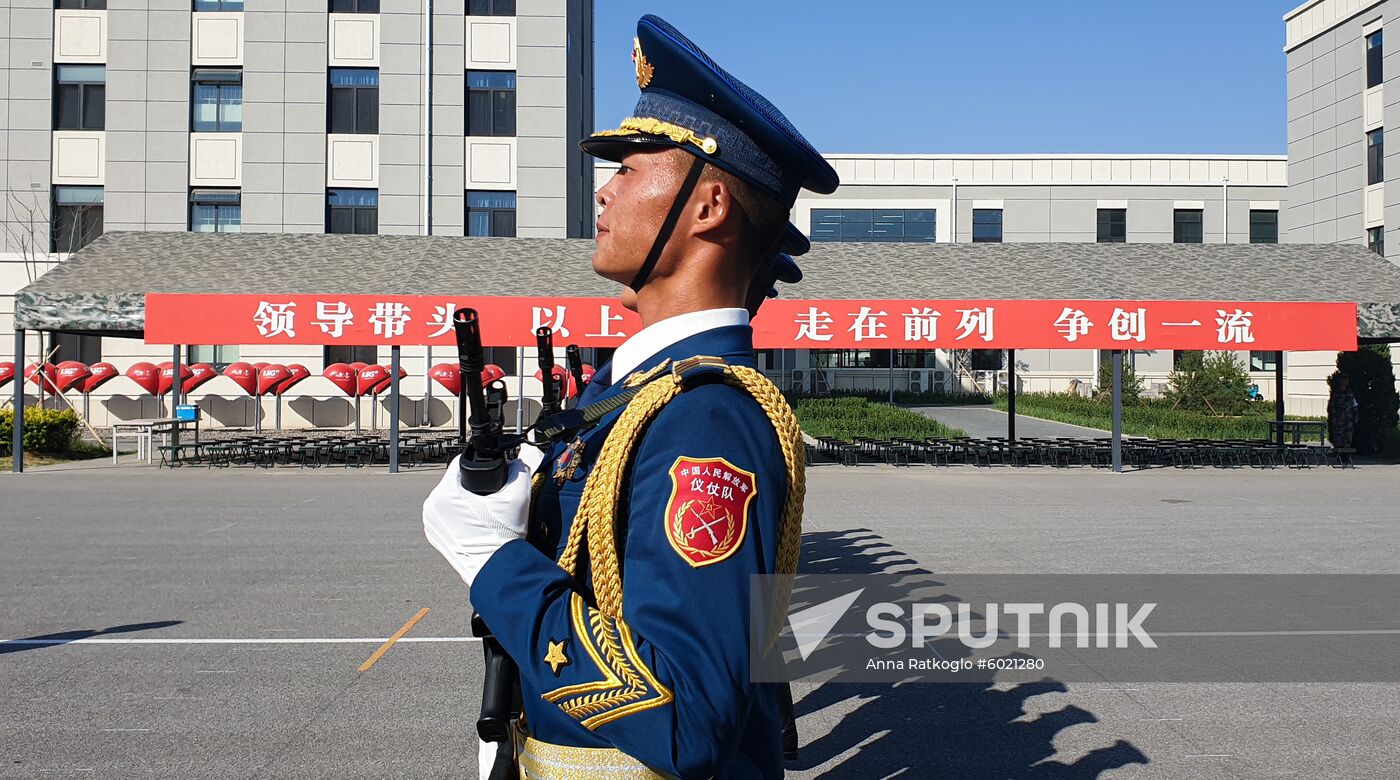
{"x":763,"y":274}
{"x":692,"y":178}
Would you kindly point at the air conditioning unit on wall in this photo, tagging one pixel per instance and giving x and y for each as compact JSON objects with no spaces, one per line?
{"x":928,"y":380}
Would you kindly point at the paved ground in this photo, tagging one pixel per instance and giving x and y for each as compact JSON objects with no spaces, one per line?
{"x":982,"y":421}
{"x":135,"y":553}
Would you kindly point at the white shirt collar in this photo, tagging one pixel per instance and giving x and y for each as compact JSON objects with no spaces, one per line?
{"x":660,"y":335}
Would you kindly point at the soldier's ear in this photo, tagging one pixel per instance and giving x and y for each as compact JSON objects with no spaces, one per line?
{"x":714,"y":207}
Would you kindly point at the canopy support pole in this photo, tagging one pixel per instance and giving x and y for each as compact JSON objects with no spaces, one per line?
{"x":519,"y":390}
{"x":427,"y":419}
{"x":394,"y":408}
{"x":17,"y":432}
{"x":891,"y":377}
{"x":176,"y":385}
{"x":1011,"y":395}
{"x":1278,"y":395}
{"x":1118,"y":411}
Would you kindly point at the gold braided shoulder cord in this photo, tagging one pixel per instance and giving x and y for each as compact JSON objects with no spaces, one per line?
{"x":597,"y":512}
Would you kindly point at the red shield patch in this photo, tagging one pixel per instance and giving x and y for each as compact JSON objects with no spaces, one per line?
{"x":709,"y":509}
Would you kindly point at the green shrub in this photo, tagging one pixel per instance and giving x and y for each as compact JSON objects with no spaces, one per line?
{"x":45,"y":430}
{"x":1377,"y":404}
{"x":1214,"y":381}
{"x":1146,"y":416}
{"x":848,"y":416}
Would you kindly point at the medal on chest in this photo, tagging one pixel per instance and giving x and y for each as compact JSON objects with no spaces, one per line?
{"x":566,"y":465}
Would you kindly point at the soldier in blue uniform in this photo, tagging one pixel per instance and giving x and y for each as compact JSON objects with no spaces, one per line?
{"x":617,"y":572}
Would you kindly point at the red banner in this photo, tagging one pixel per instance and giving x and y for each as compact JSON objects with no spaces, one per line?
{"x":781,"y":324}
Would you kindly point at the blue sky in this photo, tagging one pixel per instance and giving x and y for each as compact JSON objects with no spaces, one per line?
{"x":962,"y":76}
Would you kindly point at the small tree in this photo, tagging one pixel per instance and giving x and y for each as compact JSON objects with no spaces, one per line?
{"x":1377,"y":404}
{"x":1132,"y":383}
{"x":1214,"y":381}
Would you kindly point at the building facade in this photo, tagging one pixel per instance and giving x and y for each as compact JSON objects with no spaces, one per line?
{"x":1035,"y":198}
{"x":448,"y":117}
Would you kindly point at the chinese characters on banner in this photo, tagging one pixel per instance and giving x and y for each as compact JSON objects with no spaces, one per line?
{"x":781,"y":324}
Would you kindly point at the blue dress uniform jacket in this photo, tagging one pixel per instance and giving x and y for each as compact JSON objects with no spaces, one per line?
{"x":668,"y":683}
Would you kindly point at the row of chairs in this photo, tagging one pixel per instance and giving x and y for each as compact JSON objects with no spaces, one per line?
{"x":312,"y":449}
{"x":1066,"y":452}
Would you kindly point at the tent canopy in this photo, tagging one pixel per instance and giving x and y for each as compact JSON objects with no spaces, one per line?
{"x":101,"y":289}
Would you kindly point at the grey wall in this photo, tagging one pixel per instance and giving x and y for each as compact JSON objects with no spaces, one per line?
{"x":449,"y":118}
{"x":148,"y":94}
{"x":284,"y":116}
{"x":1326,"y":137}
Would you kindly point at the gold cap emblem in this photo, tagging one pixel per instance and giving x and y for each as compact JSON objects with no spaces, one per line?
{"x":644,"y":68}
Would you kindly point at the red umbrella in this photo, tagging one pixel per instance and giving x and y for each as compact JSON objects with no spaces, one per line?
{"x":383,"y":383}
{"x":295,"y":373}
{"x":359,"y":365}
{"x":42,"y":376}
{"x":7,"y":372}
{"x":71,"y":373}
{"x":244,"y":375}
{"x":261,"y":366}
{"x":449,"y":375}
{"x":342,"y":376}
{"x":167,"y":377}
{"x":270,"y":376}
{"x":346,"y":377}
{"x":199,"y":374}
{"x":368,"y":377}
{"x":491,"y":373}
{"x":98,"y":374}
{"x":146,"y":375}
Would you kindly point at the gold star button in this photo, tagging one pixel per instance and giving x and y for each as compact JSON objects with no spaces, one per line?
{"x":555,"y":657}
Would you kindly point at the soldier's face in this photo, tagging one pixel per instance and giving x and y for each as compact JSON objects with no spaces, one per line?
{"x":635,"y":202}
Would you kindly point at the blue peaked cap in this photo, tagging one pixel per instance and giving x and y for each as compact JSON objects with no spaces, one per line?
{"x":691,"y":103}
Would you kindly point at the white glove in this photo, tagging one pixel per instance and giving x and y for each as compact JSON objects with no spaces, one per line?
{"x":466,"y":528}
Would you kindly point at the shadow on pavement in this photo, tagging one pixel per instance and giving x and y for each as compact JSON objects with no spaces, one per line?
{"x":970,"y":730}
{"x":65,"y":637}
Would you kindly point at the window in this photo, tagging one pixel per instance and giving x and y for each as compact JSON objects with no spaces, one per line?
{"x":491,"y":214}
{"x":1374,"y":55}
{"x":490,"y":102}
{"x":1375,"y":156}
{"x":1263,"y":226}
{"x":909,"y":225}
{"x":871,"y":358}
{"x":505,"y":358}
{"x":91,"y":5}
{"x":80,"y":97}
{"x":986,"y":226}
{"x":216,"y":211}
{"x":1187,"y":359}
{"x":216,"y":355}
{"x":1375,"y":240}
{"x":218,"y":100}
{"x":1187,"y":226}
{"x":71,"y":346}
{"x":1263,"y":361}
{"x":354,"y":101}
{"x":368,"y":355}
{"x":354,"y":6}
{"x":491,"y":8}
{"x":77,"y":217}
{"x":352,"y":211}
{"x":218,"y":5}
{"x":1113,"y":226}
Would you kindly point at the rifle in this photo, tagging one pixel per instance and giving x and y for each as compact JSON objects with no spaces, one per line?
{"x":575,"y":361}
{"x":544,"y":346}
{"x":482,"y":469}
